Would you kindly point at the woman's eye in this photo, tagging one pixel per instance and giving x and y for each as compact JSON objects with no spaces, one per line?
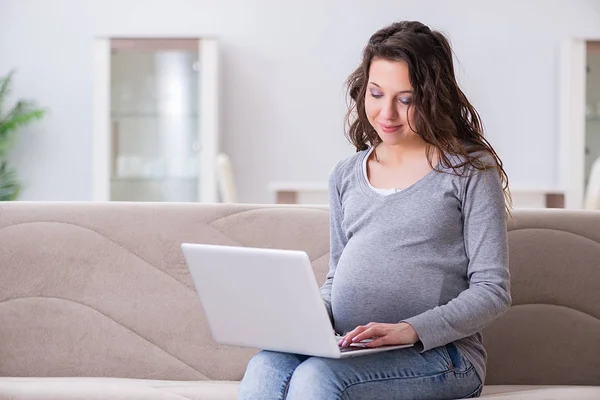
{"x":376,"y":95}
{"x":405,"y":100}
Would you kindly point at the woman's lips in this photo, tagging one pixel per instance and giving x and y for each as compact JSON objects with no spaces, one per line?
{"x":389,"y":128}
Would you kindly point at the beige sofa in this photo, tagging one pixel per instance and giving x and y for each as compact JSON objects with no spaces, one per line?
{"x":96,"y":301}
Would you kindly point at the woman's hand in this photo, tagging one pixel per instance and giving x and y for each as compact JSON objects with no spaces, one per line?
{"x":381,"y":334}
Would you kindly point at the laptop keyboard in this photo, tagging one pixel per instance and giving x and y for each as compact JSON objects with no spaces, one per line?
{"x":352,"y":347}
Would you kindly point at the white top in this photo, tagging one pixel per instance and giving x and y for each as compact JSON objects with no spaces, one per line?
{"x":384,"y":192}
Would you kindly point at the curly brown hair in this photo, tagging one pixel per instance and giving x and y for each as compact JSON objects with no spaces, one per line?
{"x":443,"y":116}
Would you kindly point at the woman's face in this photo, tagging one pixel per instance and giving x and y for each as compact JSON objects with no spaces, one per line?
{"x":388,"y":99}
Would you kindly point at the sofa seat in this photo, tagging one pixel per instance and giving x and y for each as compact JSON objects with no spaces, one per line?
{"x":143,"y":389}
{"x":539,"y":392}
{"x":115,"y":389}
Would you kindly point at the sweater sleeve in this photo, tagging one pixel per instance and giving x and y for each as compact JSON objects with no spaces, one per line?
{"x":337,"y":238}
{"x":486,"y":246}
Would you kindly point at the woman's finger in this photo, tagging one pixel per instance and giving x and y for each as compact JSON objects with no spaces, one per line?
{"x":356,"y":331}
{"x":382,"y":341}
{"x":347,"y":339}
{"x":369,"y":333}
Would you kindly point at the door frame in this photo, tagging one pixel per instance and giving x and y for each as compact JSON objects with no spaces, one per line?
{"x":209,"y":134}
{"x":572,"y":119}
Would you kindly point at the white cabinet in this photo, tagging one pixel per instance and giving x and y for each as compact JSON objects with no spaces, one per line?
{"x":160,"y":140}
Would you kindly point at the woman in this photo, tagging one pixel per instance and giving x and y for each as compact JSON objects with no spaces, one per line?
{"x":419,"y":250}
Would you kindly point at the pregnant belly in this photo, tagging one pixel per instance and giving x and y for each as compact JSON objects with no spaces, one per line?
{"x":357,"y":299}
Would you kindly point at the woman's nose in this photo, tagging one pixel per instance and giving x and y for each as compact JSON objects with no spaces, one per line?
{"x":389,"y":111}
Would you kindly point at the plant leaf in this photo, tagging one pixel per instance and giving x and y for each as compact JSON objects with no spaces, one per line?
{"x":20,"y":115}
{"x":9,"y":184}
{"x":5,"y":88}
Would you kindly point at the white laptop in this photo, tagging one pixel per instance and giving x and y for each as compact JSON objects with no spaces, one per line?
{"x":266,"y":299}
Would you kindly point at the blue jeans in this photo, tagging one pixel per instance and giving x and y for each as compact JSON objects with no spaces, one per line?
{"x":440,"y":373}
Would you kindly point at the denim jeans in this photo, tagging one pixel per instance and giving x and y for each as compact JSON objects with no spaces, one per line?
{"x":440,"y":373}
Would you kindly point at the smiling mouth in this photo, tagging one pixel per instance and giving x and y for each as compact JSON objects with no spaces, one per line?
{"x":389,"y":128}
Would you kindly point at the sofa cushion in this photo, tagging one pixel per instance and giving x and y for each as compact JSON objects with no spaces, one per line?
{"x":142,"y":389}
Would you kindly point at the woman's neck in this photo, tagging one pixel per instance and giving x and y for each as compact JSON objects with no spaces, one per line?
{"x":395,"y":154}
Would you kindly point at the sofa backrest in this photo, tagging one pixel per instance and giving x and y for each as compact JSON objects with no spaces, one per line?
{"x":101,"y":289}
{"x":551,"y":334}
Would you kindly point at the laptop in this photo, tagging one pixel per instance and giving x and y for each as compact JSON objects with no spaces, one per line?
{"x":266,"y":299}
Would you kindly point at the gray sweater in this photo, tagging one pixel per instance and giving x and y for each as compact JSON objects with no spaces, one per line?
{"x":434,"y":255}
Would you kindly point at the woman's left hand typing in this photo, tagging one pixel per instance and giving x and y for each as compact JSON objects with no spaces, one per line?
{"x":381,"y":335}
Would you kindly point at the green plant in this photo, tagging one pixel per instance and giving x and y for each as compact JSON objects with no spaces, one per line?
{"x":11,"y":119}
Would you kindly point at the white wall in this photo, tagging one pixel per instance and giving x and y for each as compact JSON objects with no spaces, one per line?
{"x":284,"y":63}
